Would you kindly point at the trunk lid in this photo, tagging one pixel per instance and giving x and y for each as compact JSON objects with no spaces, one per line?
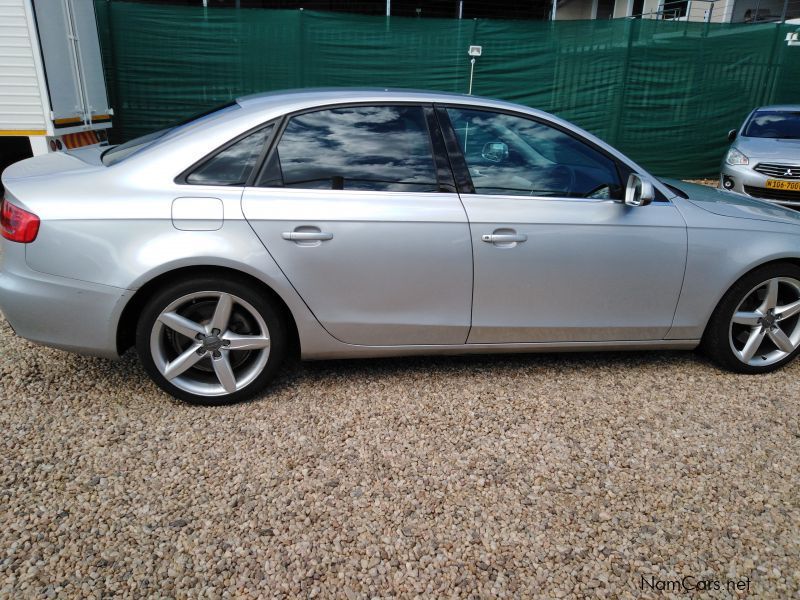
{"x":54,"y":162}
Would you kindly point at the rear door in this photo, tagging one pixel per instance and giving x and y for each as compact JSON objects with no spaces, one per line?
{"x":361,"y":214}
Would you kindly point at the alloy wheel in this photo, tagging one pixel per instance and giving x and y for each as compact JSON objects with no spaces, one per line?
{"x":210,"y":343}
{"x":765,"y":327}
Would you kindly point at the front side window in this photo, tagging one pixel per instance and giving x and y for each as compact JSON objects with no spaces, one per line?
{"x":232,"y":165}
{"x":511,"y":155}
{"x":781,"y":124}
{"x":375,"y":148}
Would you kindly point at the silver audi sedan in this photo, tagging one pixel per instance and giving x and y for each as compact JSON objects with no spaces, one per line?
{"x":363,"y":223}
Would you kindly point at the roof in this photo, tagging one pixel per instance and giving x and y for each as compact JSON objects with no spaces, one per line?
{"x":320,"y":96}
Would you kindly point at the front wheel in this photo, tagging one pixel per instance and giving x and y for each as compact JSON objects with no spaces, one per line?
{"x":210,"y":341}
{"x":756,"y":326}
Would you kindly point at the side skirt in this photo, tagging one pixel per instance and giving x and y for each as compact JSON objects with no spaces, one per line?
{"x":353,"y":351}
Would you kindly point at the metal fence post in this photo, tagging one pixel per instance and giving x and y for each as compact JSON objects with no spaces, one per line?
{"x":776,"y":75}
{"x":472,"y":42}
{"x":766,"y":96}
{"x":620,"y":104}
{"x":116,"y":131}
{"x":302,"y":49}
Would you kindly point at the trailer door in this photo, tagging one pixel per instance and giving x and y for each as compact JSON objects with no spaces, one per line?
{"x":73,"y":66}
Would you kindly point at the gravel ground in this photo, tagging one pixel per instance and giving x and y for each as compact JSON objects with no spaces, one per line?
{"x":510,"y":476}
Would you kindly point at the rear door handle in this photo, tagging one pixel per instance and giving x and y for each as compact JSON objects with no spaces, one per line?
{"x":503,"y":238}
{"x":306,"y":236}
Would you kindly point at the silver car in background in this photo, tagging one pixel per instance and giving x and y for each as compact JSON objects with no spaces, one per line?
{"x":764,"y":159}
{"x":359,"y":223}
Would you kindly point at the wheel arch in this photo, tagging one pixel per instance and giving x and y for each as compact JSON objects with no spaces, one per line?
{"x":794,"y":260}
{"x":126,"y":326}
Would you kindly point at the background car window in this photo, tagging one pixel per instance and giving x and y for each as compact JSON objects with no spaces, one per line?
{"x":379,"y":148}
{"x":774,"y":124}
{"x":510,"y":155}
{"x":232,"y":166}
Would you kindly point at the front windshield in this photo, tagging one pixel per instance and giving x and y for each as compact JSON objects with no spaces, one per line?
{"x":118,"y":153}
{"x":782,"y":124}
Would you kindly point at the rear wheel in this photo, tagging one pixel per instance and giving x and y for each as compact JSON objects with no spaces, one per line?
{"x":756,"y":326}
{"x":210,"y":341}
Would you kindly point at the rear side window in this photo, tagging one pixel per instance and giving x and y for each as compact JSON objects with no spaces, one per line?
{"x":232,"y":165}
{"x":374,"y":148}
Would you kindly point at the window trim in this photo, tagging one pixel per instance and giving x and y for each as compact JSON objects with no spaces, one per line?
{"x":437,"y":149}
{"x":181,"y":178}
{"x":459,"y":161}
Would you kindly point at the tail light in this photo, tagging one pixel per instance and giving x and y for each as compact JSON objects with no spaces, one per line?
{"x":16,"y":224}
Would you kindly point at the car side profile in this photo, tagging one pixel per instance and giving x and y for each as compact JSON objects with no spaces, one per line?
{"x":366,"y":223}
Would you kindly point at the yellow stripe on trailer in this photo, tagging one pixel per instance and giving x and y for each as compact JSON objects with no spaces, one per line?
{"x":22,"y":132}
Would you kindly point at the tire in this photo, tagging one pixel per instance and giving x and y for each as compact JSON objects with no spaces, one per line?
{"x":211,"y":341}
{"x":756,"y":326}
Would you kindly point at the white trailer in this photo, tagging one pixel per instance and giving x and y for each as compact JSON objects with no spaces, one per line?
{"x":52,"y":89}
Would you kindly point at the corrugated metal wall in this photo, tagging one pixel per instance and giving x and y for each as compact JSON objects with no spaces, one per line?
{"x":20,"y":100}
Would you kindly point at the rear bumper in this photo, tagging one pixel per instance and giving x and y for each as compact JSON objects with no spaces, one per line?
{"x":69,"y":314}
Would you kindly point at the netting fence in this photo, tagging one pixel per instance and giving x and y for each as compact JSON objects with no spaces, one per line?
{"x":664,"y":92}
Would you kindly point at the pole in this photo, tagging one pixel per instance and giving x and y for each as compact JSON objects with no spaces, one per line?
{"x":461,"y":9}
{"x":632,"y":26}
{"x":785,"y":9}
{"x":778,"y":64}
{"x":388,"y":8}
{"x":471,"y":73}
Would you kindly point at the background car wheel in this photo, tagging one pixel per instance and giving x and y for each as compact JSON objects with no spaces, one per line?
{"x":756,"y":326}
{"x":210,"y":341}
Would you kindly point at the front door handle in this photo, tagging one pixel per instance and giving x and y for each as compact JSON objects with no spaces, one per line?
{"x":306,"y":236}
{"x":503,"y":238}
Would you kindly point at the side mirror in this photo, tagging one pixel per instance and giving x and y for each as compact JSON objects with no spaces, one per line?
{"x":638,"y":192}
{"x":731,"y":135}
{"x":495,"y":152}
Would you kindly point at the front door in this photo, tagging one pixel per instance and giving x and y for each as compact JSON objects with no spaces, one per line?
{"x":352,"y":206}
{"x":556,"y":258}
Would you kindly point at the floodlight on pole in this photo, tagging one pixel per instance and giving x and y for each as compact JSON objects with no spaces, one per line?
{"x":474,"y":52}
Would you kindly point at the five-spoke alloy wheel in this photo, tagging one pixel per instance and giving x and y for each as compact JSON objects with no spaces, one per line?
{"x":210,"y":342}
{"x":756,"y":327}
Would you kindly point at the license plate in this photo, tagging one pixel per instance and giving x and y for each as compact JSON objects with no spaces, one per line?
{"x":777,"y":184}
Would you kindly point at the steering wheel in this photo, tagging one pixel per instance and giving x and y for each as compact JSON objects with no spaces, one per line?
{"x":563,"y":178}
